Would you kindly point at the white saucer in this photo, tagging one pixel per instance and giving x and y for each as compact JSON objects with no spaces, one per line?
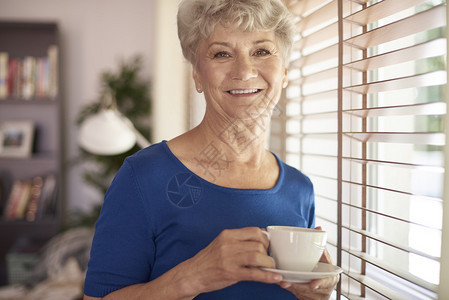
{"x":322,"y":270}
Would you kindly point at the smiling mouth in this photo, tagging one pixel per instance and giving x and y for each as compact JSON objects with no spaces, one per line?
{"x":244,"y":92}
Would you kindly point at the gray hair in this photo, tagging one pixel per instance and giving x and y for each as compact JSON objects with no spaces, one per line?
{"x":197,"y":20}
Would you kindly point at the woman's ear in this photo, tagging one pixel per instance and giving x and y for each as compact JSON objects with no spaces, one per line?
{"x":198,"y":85}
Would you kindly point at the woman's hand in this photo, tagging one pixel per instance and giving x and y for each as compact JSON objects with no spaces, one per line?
{"x":316,"y":289}
{"x":235,"y":255}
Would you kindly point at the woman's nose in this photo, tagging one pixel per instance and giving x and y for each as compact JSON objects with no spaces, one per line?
{"x":243,"y":69}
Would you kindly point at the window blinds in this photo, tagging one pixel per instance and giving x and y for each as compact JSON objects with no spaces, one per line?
{"x":363,"y":118}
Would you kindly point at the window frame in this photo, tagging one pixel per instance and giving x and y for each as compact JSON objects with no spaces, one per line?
{"x":282,"y":135}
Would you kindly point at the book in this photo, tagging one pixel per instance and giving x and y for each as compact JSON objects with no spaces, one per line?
{"x":31,"y":199}
{"x":41,"y":77}
{"x":28,"y":77}
{"x":35,"y":197}
{"x":18,"y":79}
{"x":47,"y":201}
{"x":13,"y":201}
{"x":53,"y":73}
{"x":24,"y":199}
{"x":12,"y":70}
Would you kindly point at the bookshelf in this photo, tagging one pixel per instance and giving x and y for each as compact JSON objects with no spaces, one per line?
{"x":29,"y":94}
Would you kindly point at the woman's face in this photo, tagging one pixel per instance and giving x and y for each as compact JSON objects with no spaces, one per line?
{"x":241,"y":73}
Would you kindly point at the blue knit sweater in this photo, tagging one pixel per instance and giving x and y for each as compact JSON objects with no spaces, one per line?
{"x":157,"y":213}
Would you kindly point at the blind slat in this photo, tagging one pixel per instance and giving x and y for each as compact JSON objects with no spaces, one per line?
{"x":391,"y":217}
{"x":301,"y":7}
{"x":316,"y":57}
{"x":433,"y":168}
{"x":433,"y":108}
{"x":408,"y":193}
{"x":316,"y":77}
{"x":330,"y":94}
{"x":421,"y":109}
{"x":381,"y":10}
{"x":427,"y":167}
{"x":424,"y":138}
{"x":316,"y":116}
{"x":429,"y":138}
{"x":432,"y":48}
{"x":361,"y":2}
{"x":375,"y":286}
{"x":391,"y":243}
{"x":393,"y":269}
{"x":327,"y":33}
{"x":324,"y":14}
{"x":429,"y":19}
{"x":420,"y":80}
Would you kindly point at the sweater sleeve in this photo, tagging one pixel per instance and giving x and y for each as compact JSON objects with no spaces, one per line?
{"x":312,"y":208}
{"x":123,"y":249}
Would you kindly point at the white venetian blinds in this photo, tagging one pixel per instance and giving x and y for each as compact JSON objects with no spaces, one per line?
{"x":363,"y":118}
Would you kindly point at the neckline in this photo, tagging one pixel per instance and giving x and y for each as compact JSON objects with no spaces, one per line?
{"x":224,"y":188}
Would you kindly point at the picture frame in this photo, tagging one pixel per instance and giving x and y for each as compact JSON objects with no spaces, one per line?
{"x":16,"y":138}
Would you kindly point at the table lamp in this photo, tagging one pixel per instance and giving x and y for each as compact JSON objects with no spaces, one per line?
{"x":109,"y":132}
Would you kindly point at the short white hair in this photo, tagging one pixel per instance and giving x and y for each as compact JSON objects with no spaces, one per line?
{"x":197,"y":20}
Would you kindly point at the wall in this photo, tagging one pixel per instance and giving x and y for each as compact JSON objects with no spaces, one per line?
{"x":171,"y":85}
{"x":95,"y":36}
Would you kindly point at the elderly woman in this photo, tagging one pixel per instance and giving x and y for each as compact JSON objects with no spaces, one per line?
{"x":185,"y":218}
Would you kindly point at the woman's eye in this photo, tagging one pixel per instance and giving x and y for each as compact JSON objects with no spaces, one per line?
{"x":262,"y":52}
{"x":221,"y":54}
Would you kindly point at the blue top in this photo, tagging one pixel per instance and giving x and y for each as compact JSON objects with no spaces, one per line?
{"x":157,"y":213}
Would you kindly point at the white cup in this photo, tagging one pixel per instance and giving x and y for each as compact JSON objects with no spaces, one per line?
{"x":296,"y":248}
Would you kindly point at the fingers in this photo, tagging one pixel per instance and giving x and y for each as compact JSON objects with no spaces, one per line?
{"x":324,"y":284}
{"x":251,"y":254}
{"x":245,"y":241}
{"x":316,"y":289}
{"x":285,"y":284}
{"x":256,"y":274}
{"x":234,"y":255}
{"x":248,"y":251}
{"x":247,"y":233}
{"x":326,"y":257}
{"x":303,"y":291}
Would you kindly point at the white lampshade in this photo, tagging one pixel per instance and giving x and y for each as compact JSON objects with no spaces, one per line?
{"x":106,"y":133}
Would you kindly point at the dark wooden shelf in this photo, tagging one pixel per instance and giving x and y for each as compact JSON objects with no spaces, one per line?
{"x":32,"y":101}
{"x":37,"y":229}
{"x":36,"y":157}
{"x":21,"y":39}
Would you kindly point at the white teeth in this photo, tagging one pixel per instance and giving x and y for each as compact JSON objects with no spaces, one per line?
{"x":238,"y":92}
